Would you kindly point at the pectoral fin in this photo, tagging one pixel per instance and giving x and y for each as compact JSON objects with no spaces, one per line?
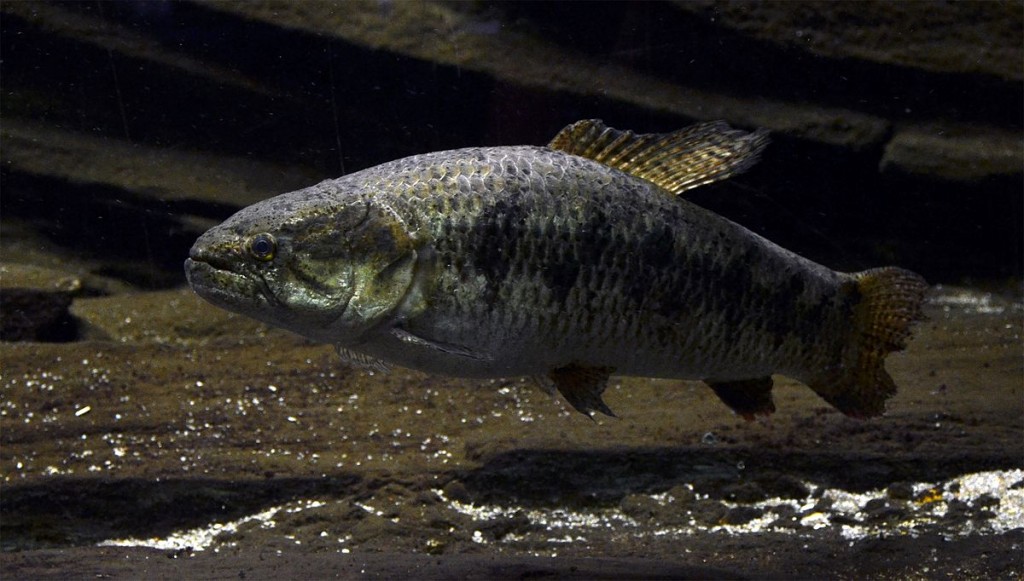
{"x":448,"y":348}
{"x":582,"y":387}
{"x":361,"y":361}
{"x":746,"y":397}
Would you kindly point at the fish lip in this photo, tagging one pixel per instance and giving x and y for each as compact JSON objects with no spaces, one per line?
{"x":200,"y":255}
{"x":204,"y":266}
{"x":200,"y":272}
{"x":216,"y":280}
{"x":220,"y":286}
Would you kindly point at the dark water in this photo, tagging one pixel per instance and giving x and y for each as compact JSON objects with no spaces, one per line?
{"x":885,"y":151}
{"x":133,"y":411}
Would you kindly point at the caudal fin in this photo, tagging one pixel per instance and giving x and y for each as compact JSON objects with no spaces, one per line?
{"x":890,"y":302}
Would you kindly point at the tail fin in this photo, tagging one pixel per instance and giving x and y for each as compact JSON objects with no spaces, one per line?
{"x":890,"y":301}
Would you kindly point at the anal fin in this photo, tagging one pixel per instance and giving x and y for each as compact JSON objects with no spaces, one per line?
{"x":746,"y":397}
{"x":582,"y":387}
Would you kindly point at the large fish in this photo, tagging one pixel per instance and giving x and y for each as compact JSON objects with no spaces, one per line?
{"x":568,"y":263}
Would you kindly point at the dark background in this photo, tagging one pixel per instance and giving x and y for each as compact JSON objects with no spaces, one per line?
{"x":896,"y":128}
{"x":128,"y":128}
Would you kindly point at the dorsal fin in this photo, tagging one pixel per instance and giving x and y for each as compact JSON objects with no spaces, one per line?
{"x":678,"y":161}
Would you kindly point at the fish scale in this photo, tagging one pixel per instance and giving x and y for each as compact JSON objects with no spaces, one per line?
{"x":570,"y":262}
{"x":583,"y":244}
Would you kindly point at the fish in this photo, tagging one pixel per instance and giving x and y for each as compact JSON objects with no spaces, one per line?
{"x":567,"y":263}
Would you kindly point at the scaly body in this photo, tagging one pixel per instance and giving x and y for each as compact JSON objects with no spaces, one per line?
{"x":570,"y":262}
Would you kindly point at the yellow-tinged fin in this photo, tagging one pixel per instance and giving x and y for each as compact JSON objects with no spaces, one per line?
{"x":890,"y":302}
{"x":582,"y":387}
{"x":677,"y":161}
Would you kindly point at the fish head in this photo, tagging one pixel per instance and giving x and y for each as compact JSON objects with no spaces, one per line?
{"x":318,"y":262}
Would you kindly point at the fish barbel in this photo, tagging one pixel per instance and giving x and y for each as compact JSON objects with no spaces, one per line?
{"x":568,"y":263}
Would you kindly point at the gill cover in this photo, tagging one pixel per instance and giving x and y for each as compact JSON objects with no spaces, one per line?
{"x":382,"y":259}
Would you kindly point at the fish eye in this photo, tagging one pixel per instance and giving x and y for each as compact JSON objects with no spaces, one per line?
{"x":262,"y":247}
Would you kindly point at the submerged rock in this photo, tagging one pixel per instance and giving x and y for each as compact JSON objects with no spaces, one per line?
{"x":34,"y":303}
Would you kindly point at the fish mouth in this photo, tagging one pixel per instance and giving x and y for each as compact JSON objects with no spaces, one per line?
{"x":215,"y":281}
{"x":204,"y":254}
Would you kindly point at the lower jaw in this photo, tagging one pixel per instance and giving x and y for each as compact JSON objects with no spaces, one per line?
{"x":223,"y":288}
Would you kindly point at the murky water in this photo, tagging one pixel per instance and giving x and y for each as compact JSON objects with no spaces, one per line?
{"x":146,"y":434}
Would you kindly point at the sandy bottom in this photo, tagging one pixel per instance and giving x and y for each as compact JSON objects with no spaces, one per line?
{"x":180,"y":441}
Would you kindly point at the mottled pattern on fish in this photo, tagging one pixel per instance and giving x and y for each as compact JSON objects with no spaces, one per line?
{"x":578,"y":262}
{"x":569,"y":262}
